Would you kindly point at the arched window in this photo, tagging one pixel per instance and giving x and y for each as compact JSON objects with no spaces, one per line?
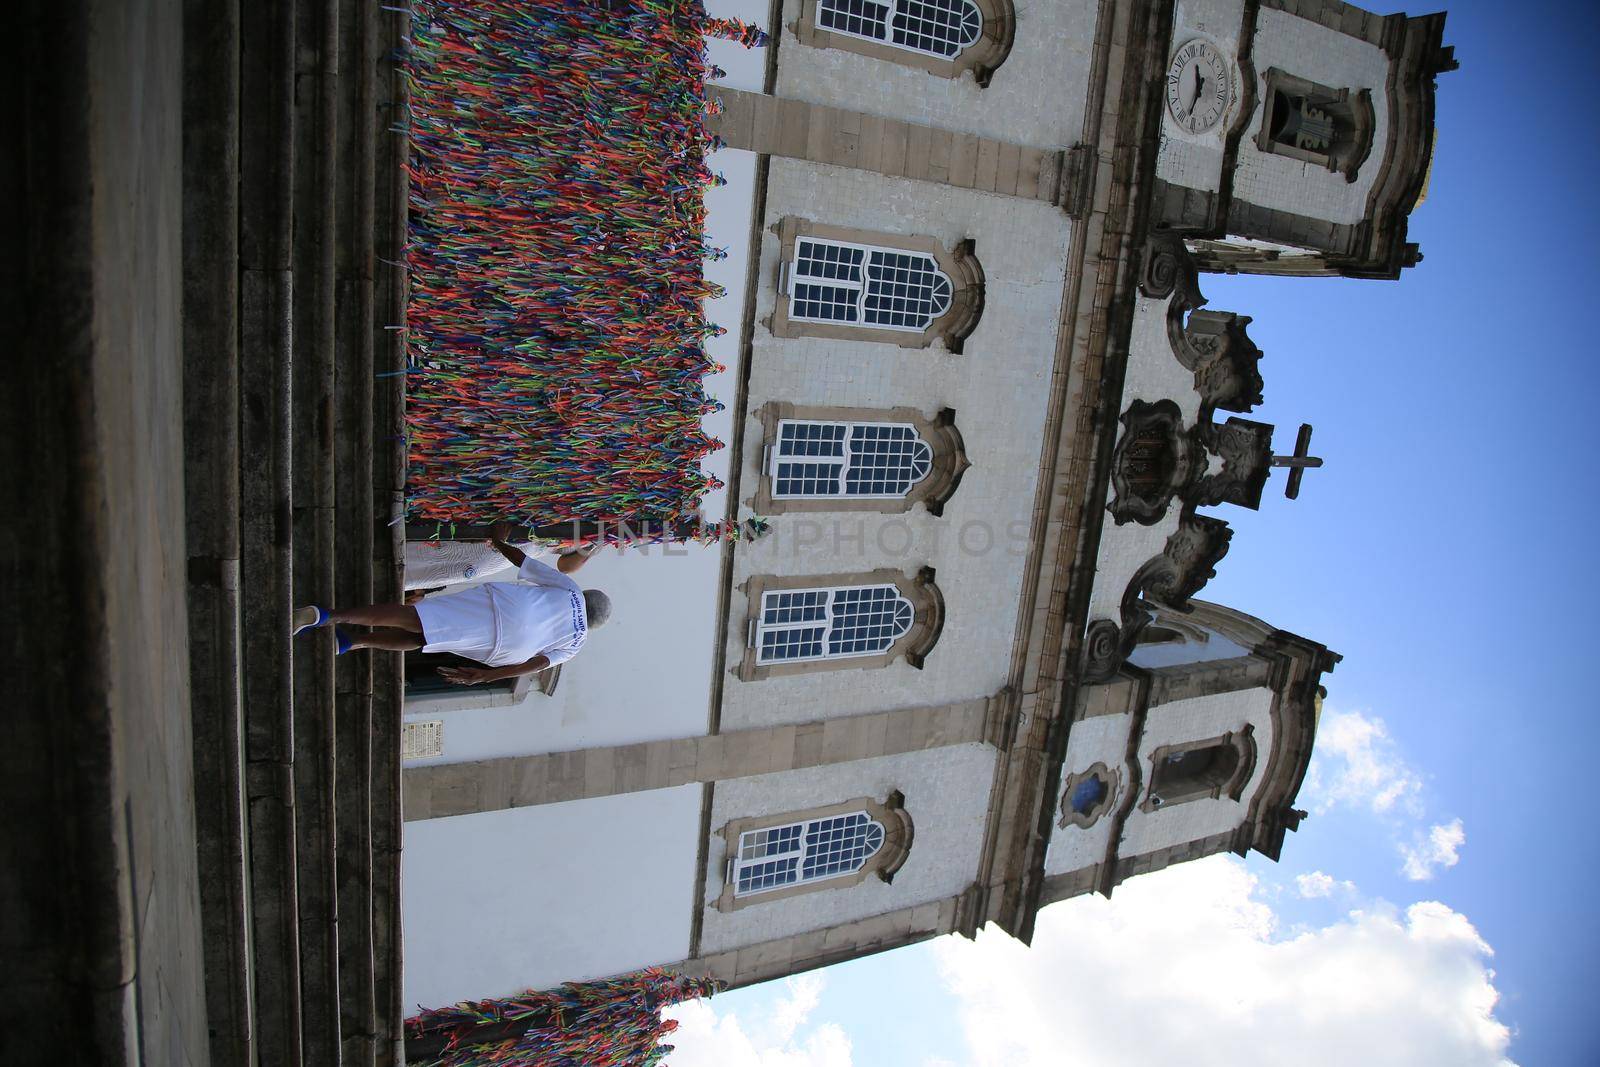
{"x":810,"y":624}
{"x":1313,"y":123}
{"x":859,"y":459}
{"x":1087,"y":795}
{"x":1210,"y":769}
{"x":805,"y":852}
{"x":858,"y":285}
{"x":883,"y":288}
{"x":827,"y":622}
{"x":774,"y":856}
{"x":856,"y":459}
{"x":943,"y":37}
{"x":934,"y":27}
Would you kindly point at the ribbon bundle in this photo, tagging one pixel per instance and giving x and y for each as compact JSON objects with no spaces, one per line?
{"x":555,"y":327}
{"x":611,"y":1023}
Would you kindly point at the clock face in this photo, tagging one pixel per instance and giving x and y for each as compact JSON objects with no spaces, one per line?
{"x":1199,"y":86}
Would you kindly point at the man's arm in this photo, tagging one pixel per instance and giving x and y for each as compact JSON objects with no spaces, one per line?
{"x":479,"y":675}
{"x":497,"y":538}
{"x":568,"y":562}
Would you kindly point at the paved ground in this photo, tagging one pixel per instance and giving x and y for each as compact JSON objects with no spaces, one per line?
{"x":98,"y":886}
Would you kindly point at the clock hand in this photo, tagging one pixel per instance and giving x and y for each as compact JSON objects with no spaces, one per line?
{"x":1199,"y":86}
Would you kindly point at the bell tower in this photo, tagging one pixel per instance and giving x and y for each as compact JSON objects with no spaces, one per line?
{"x":1197,"y":746}
{"x":1297,"y":135}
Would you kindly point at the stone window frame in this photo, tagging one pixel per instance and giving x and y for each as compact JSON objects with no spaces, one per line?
{"x":927,"y":622}
{"x":889,"y":812}
{"x":960,"y":265}
{"x":1243,"y":741}
{"x":1084,"y":820}
{"x":932,"y":492}
{"x":1356,"y":108}
{"x":982,"y":58}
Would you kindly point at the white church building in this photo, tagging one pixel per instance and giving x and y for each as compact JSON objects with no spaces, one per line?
{"x":973,"y":389}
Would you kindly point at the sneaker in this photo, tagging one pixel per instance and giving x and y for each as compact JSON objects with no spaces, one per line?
{"x":307,"y":618}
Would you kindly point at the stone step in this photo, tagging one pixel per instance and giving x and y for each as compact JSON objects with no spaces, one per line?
{"x":388,"y":543}
{"x":267,"y":301}
{"x":315,"y":165}
{"x":212,"y":511}
{"x":295,"y":214}
{"x":353,"y":517}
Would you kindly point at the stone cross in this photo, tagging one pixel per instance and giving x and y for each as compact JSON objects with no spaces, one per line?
{"x":1298,"y":462}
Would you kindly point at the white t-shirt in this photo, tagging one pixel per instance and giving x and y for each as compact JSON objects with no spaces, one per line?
{"x":541,"y":613}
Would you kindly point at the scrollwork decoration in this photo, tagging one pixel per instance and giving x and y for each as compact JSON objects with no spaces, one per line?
{"x":1187,"y":562}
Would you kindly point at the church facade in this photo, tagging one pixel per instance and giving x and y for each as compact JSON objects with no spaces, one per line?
{"x":996,"y":433}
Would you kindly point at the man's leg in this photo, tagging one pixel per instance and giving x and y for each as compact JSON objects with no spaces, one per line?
{"x":394,"y":616}
{"x":388,"y":640}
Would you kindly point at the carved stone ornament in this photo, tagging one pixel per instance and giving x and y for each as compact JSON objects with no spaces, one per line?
{"x":1244,"y":449}
{"x":1211,"y":344}
{"x":1169,"y":580}
{"x":1154,"y":460}
{"x":1157,"y":460}
{"x":1168,"y":270}
{"x":1214,"y":345}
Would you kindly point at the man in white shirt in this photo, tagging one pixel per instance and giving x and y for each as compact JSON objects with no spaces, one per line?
{"x":512,"y":628}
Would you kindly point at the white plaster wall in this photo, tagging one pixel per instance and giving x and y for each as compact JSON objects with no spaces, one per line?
{"x":1123,"y":550}
{"x":503,"y":901}
{"x":1312,"y":51}
{"x":998,"y":388}
{"x":1154,"y":372}
{"x":1196,"y":719}
{"x":1035,"y":98}
{"x":1101,"y":739}
{"x":1194,"y":160}
{"x":947,"y":797}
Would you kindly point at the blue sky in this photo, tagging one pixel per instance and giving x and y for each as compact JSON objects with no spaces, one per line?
{"x":1446,"y":550}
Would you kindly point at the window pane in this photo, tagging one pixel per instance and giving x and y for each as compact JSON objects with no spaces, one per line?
{"x":775,"y":841}
{"x":829,"y":261}
{"x":904,"y":290}
{"x":779,"y":645}
{"x":840,"y":845}
{"x":807,"y":479}
{"x":811,"y":438}
{"x":863,"y":18}
{"x":867,"y":621}
{"x":804,"y":605}
{"x":886,"y":460}
{"x":768,"y":874}
{"x":824,"y":303}
{"x":938,"y":27}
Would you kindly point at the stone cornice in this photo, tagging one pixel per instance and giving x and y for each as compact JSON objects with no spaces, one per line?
{"x":1121,"y":127}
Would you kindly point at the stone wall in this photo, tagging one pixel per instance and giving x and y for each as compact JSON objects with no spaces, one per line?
{"x":946,"y":795}
{"x":997,"y":388}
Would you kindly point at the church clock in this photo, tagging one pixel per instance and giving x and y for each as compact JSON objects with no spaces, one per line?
{"x":1199,"y":88}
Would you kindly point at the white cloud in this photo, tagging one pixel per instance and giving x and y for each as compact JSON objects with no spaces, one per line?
{"x":1187,"y":966}
{"x":1317,"y":884}
{"x":709,"y":1038}
{"x":1357,"y":764}
{"x":1440,"y":848}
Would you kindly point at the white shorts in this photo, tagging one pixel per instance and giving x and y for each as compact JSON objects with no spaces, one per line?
{"x":462,"y":623}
